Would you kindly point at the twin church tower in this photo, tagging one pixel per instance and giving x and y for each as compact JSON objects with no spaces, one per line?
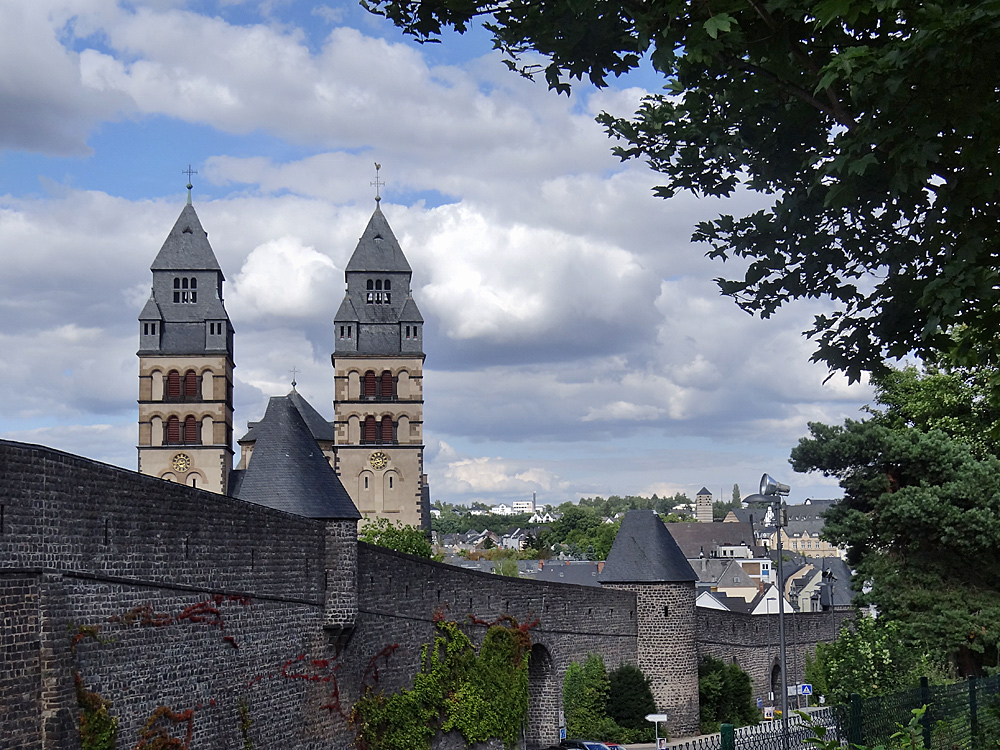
{"x":374,"y":443}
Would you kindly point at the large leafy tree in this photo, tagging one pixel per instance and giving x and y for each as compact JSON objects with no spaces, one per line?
{"x":874,"y":125}
{"x":921,"y":510}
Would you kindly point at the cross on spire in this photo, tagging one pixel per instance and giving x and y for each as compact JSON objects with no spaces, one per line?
{"x":294,"y":373}
{"x":378,"y":183}
{"x":189,"y":172}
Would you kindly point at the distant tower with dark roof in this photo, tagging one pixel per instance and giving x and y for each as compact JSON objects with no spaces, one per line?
{"x":378,"y":382}
{"x":186,"y":364}
{"x":703,"y":506}
{"x":645,"y":559}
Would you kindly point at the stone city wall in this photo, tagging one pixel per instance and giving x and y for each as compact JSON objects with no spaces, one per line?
{"x":218,"y":619}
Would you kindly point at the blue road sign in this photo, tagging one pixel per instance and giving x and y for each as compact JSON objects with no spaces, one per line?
{"x":805,"y":689}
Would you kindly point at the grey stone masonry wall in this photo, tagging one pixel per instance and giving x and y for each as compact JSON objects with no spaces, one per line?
{"x":234,"y":623}
{"x":666,"y":650}
{"x":157,"y":594}
{"x":398,"y":597}
{"x":752,"y":642}
{"x":21,"y":672}
{"x":341,"y":576}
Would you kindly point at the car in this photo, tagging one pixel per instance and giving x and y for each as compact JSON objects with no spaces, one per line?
{"x":583,"y":745}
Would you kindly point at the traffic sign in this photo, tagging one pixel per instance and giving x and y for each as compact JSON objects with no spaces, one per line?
{"x":805,"y":689}
{"x":562,"y":733}
{"x":656,"y":717}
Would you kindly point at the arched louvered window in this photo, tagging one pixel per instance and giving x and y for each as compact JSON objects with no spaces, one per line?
{"x":370,"y":385}
{"x":190,"y":383}
{"x":173,"y":384}
{"x":385,"y":391}
{"x":371,"y":430}
{"x":378,"y":285}
{"x":386,"y":285}
{"x":386,"y":429}
{"x":191,"y":430}
{"x":371,"y":285}
{"x":173,"y":431}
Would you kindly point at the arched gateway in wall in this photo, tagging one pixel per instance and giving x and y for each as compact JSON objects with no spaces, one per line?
{"x":544,"y":699}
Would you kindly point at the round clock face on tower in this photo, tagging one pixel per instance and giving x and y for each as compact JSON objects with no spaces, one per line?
{"x":378,"y":460}
{"x":181,"y":462}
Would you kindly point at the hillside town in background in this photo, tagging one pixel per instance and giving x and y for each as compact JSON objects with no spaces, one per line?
{"x":731,"y":545}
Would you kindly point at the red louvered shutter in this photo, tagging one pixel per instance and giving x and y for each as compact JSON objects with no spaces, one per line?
{"x":370,"y":384}
{"x":370,"y":429}
{"x":386,"y":385}
{"x":173,"y":431}
{"x":387,"y":429}
{"x":190,"y":383}
{"x":173,"y":384}
{"x":191,"y":430}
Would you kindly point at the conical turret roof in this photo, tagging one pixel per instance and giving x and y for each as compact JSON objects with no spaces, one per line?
{"x":644,"y":552}
{"x":186,"y":247}
{"x":378,"y":249}
{"x":288,"y":471}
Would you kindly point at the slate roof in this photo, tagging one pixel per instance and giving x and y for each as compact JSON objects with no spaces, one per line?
{"x":346,"y":312}
{"x":186,"y":247}
{"x":695,"y":537}
{"x":410,"y":313}
{"x":378,"y":249}
{"x":644,"y":552}
{"x":288,"y":471}
{"x":318,"y":426}
{"x":151,"y":311}
{"x":704,"y":491}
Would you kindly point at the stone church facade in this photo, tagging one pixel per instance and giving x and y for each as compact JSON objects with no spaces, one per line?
{"x":375,"y":441}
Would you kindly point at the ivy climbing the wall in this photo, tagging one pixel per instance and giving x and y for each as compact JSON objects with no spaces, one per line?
{"x":98,"y":728}
{"x":483,"y":696}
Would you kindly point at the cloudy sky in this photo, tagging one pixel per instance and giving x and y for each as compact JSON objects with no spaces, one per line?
{"x":576,"y":343}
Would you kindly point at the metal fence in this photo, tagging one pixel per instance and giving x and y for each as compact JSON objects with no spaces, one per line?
{"x":962,"y":716}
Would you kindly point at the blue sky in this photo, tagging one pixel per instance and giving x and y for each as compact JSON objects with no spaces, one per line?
{"x":576,"y":343}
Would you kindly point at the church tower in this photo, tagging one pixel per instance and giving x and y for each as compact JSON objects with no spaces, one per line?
{"x":378,"y":382}
{"x":186,"y":364}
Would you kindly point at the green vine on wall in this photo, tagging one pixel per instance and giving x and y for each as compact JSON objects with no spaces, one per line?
{"x":98,"y":728}
{"x":484,"y":695}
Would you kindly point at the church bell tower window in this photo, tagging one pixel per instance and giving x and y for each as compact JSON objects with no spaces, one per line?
{"x":185,"y":290}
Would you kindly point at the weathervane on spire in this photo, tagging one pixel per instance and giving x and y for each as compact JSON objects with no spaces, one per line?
{"x":378,"y":183}
{"x":294,"y":373}
{"x":189,"y":172}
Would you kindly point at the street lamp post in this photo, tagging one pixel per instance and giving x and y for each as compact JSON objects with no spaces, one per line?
{"x":771,"y":488}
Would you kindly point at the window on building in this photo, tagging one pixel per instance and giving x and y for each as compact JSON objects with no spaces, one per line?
{"x":407,"y":332}
{"x":191,"y":430}
{"x":342,"y":332}
{"x":370,"y":389}
{"x":370,"y":434}
{"x":173,"y":430}
{"x":390,"y":481}
{"x":385,"y":383}
{"x":386,"y":435}
{"x":348,"y":331}
{"x":378,"y":285}
{"x":185,"y":289}
{"x":173,"y":384}
{"x":190,"y":384}
{"x":386,"y":285}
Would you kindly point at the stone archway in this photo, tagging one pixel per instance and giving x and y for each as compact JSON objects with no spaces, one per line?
{"x":544,"y":699}
{"x":776,"y":683}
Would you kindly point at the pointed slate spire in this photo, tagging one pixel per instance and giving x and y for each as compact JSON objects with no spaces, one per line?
{"x":378,"y":249}
{"x":644,"y":552}
{"x":186,"y":247}
{"x":288,"y":470}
